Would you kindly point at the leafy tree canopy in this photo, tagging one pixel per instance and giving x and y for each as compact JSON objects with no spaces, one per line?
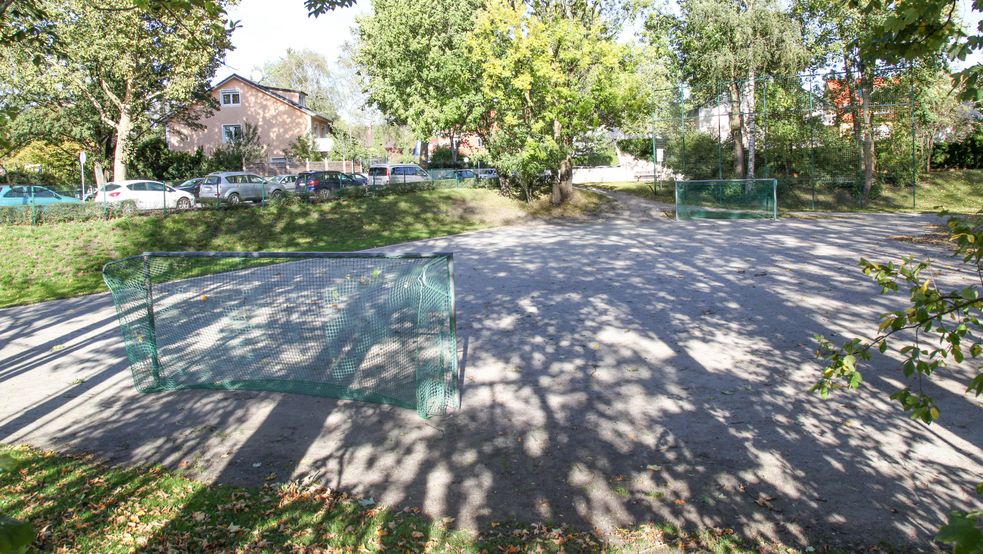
{"x":306,"y":71}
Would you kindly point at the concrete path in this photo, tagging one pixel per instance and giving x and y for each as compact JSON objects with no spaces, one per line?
{"x":617,"y":372}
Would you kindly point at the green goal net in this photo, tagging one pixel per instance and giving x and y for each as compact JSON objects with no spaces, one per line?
{"x":727,"y":199}
{"x":372,"y":327}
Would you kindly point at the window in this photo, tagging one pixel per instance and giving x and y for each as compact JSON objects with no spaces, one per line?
{"x":378,"y":171}
{"x":138,"y":187}
{"x":230,"y":97}
{"x":16,"y":192}
{"x":156,"y":187}
{"x":401,"y":171}
{"x":256,"y":180}
{"x":41,"y":192}
{"x":231,"y":133}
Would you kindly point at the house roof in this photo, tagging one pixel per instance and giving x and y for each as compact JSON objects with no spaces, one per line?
{"x":272,"y":92}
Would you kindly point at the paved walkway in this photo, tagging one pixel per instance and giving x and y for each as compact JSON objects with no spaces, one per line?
{"x":611,"y":370}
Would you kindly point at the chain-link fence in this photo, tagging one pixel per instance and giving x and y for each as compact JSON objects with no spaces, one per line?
{"x":371,"y":327}
{"x":834,"y":141}
{"x":37,"y":205}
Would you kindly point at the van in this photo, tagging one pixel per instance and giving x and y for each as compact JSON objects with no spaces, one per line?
{"x":392,"y":174}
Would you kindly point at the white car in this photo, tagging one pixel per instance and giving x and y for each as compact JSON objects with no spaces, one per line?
{"x":148,"y":195}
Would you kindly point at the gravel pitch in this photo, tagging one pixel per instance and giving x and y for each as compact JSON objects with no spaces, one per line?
{"x":626,"y":370}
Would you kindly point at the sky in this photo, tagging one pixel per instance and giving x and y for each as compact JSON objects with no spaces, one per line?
{"x":267,"y":29}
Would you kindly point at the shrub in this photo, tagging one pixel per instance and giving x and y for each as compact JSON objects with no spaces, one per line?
{"x":64,"y":213}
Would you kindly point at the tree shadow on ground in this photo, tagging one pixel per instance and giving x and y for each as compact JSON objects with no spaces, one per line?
{"x":618,"y":373}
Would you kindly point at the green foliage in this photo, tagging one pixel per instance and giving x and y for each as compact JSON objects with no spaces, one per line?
{"x":417,"y":66}
{"x":548,"y":80}
{"x":152,"y":159}
{"x":59,"y":164}
{"x":924,"y":29}
{"x":242,"y":150}
{"x":965,"y":154}
{"x":130,"y":80}
{"x":947,"y":328}
{"x":15,"y":536}
{"x":303,"y":148}
{"x":442,"y":156}
{"x":946,"y":324}
{"x":64,"y":213}
{"x":963,"y":531}
{"x":307,"y":71}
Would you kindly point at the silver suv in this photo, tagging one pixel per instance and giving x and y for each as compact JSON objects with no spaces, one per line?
{"x":232,"y":187}
{"x":386,"y":174}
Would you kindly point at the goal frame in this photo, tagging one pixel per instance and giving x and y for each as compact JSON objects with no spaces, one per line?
{"x":724,"y":182}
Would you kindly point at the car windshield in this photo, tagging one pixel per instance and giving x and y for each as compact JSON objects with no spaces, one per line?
{"x":377,"y":171}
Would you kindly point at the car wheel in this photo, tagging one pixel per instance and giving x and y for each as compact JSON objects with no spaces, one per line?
{"x":324,"y":195}
{"x":276,"y":195}
{"x":183,"y":204}
{"x":234,"y":199}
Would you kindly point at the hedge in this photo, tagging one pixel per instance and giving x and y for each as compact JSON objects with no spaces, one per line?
{"x":64,"y":213}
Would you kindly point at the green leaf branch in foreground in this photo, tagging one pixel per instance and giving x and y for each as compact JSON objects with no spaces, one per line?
{"x":946,"y":326}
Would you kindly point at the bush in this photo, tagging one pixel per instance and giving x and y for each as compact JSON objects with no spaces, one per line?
{"x":64,"y":213}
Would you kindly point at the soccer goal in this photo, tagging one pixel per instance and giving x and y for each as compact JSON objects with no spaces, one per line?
{"x":727,"y":199}
{"x":371,"y":327}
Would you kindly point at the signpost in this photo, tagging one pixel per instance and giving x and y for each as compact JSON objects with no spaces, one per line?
{"x":82,"y":170}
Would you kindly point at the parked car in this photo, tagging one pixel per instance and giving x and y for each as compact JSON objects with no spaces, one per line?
{"x":192,"y":186}
{"x":232,"y":187}
{"x":26,"y":195}
{"x":286,"y":180}
{"x":323,"y":184}
{"x":487,"y":173}
{"x":385,"y":174}
{"x":147,"y":195}
{"x":462,"y":174}
{"x":359,"y":178}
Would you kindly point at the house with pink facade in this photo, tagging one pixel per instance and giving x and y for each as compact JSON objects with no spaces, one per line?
{"x":279,"y":115}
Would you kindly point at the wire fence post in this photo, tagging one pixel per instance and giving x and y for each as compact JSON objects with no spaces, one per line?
{"x":164,"y":194}
{"x":914,"y":156}
{"x":682,"y":130}
{"x":764,"y":137}
{"x":34,"y":208}
{"x":720,"y":133}
{"x":812,"y":144}
{"x":655,"y":176}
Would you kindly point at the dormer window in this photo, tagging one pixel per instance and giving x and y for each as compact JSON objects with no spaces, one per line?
{"x":230,"y":97}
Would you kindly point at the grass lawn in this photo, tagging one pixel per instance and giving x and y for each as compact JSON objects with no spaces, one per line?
{"x":65,"y":259}
{"x":76,"y":504}
{"x":958,"y":191}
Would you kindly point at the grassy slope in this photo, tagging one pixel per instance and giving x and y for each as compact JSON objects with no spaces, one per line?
{"x":62,"y":260}
{"x":958,"y":191}
{"x":78,"y":505}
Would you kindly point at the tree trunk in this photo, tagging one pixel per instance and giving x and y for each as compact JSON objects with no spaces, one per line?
{"x":750,"y":128}
{"x":735,"y":130}
{"x":453,"y":149}
{"x":124,"y":126}
{"x":563,"y":185}
{"x":869,"y":155}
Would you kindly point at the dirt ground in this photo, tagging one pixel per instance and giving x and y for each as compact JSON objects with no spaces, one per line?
{"x":627,"y":370}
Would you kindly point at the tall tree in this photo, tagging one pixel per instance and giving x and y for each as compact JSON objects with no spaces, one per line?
{"x":306,"y":71}
{"x":132,"y":80}
{"x":549,"y":76}
{"x":417,"y":67}
{"x":731,"y":44}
